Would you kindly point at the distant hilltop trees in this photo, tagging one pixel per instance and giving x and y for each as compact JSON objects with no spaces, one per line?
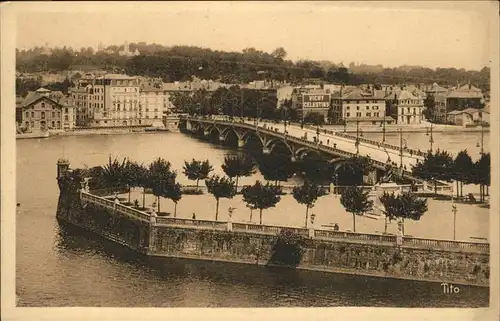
{"x":179,"y":63}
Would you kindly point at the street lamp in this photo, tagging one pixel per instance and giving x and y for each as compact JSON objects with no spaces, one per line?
{"x":383,"y":130}
{"x":317,"y":132}
{"x":454,"y":210}
{"x":482,"y":141}
{"x":357,"y":137}
{"x":431,"y":139}
{"x":401,"y":140}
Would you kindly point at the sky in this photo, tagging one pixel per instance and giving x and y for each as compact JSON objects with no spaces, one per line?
{"x":430,"y":34}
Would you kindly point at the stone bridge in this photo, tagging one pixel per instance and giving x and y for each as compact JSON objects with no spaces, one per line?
{"x":300,"y":143}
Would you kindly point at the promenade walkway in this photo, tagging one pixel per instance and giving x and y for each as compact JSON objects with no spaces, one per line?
{"x":312,"y":232}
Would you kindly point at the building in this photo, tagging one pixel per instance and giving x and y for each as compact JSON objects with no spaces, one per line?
{"x":438,"y":107}
{"x":44,"y":110}
{"x":463,"y":97}
{"x":404,"y":106}
{"x":311,"y":100}
{"x":110,"y":100}
{"x":358,"y":105}
{"x":151,"y":106}
{"x":126,"y":51}
{"x":469,"y":117}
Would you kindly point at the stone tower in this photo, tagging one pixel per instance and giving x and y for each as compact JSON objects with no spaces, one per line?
{"x":62,"y":167}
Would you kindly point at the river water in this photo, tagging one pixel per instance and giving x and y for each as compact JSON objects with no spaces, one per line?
{"x":55,"y":267}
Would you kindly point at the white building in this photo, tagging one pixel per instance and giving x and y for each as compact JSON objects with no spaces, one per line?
{"x":405,"y":107}
{"x":357,"y":105}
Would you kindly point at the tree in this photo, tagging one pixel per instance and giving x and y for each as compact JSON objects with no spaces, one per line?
{"x":174,"y":192}
{"x":220,"y":187}
{"x":437,"y":166}
{"x":316,"y":119}
{"x":261,"y":196}
{"x":196,"y":170}
{"x":114,"y":173}
{"x":131,"y":176}
{"x":482,"y":174}
{"x":143,"y":179}
{"x":279,"y":53}
{"x":307,"y":194}
{"x":405,"y":205}
{"x":352,"y":171}
{"x":462,"y":167}
{"x":239,"y":165}
{"x":161,"y":178}
{"x":277,"y":168}
{"x":355,"y":200}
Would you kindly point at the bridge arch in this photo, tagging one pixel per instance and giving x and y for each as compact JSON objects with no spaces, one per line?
{"x":302,"y":152}
{"x":279,"y":146}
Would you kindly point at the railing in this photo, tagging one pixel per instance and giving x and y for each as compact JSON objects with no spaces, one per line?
{"x":355,"y":236}
{"x":268,"y":229}
{"x":160,"y":220}
{"x":445,"y":244}
{"x":313,"y":145}
{"x":380,"y":144}
{"x":113,"y":206}
{"x":275,"y":230}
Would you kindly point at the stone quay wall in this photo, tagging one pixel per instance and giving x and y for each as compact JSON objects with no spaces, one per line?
{"x":320,"y":250}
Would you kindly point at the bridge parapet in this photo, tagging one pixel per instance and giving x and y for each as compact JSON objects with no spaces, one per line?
{"x":442,"y":186}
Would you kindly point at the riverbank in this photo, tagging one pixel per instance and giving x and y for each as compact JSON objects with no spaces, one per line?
{"x":107,"y":131}
{"x":408,"y":129}
{"x":315,"y":250}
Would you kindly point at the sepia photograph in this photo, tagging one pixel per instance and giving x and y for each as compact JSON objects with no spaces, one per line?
{"x":252,"y":155}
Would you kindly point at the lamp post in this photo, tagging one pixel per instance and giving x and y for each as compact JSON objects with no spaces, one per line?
{"x":401,"y":140}
{"x":431,"y":139}
{"x":317,"y":133}
{"x":357,"y":137}
{"x":383,"y":130}
{"x":481,"y":152}
{"x":454,"y":210}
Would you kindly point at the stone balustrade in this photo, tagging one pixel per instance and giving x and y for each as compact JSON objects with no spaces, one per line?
{"x":479,"y":247}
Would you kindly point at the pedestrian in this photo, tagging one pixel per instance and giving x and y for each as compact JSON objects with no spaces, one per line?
{"x":194,"y":216}
{"x":336,"y":227}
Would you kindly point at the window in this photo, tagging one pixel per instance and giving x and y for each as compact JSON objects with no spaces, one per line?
{"x":358,"y":114}
{"x":43,"y":115}
{"x":357,"y":107}
{"x":32,"y":124}
{"x":43,"y":105}
{"x":32,"y":114}
{"x":27,"y":114}
{"x":368,"y":114}
{"x":53,"y":124}
{"x":53,"y":114}
{"x":66,"y":117}
{"x":367,"y":107}
{"x":66,"y":110}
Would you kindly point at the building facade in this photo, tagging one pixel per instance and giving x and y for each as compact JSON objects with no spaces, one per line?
{"x":405,"y":107}
{"x":40,"y":111}
{"x":357,"y":105}
{"x":151,"y":106}
{"x":463,"y":97}
{"x":311,"y":100}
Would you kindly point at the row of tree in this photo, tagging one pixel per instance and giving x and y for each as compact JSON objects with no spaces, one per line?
{"x":161,"y":180}
{"x":440,"y":165}
{"x":179,"y":63}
